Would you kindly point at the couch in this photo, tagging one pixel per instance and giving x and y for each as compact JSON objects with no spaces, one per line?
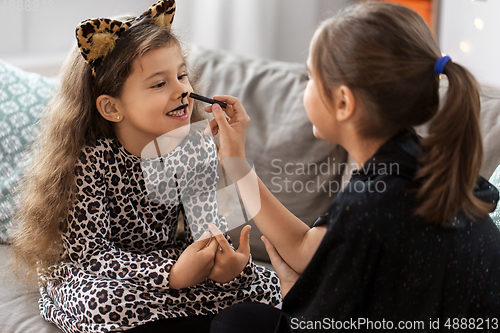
{"x":280,"y":143}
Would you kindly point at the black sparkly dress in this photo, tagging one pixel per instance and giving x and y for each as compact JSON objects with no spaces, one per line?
{"x":378,"y":264}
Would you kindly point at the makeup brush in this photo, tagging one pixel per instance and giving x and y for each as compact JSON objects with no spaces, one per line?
{"x":207,"y":100}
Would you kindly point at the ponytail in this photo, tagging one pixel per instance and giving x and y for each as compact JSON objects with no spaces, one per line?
{"x":452,"y":153}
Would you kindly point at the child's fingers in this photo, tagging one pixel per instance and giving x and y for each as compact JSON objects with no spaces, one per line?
{"x":234,"y":106}
{"x":211,"y":247}
{"x":212,"y":127}
{"x":271,"y":251}
{"x":229,"y":100}
{"x":229,"y":110}
{"x":245,"y":240}
{"x":203,"y":241}
{"x":220,"y":118}
{"x":219,"y":237}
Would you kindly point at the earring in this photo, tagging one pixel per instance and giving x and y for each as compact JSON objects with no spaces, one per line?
{"x":117,"y":117}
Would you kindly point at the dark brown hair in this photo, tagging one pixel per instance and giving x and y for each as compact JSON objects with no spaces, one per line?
{"x":385,"y":54}
{"x":70,"y":122}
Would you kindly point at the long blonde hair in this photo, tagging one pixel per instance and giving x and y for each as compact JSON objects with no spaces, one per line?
{"x":70,"y":122}
{"x":386,"y":53}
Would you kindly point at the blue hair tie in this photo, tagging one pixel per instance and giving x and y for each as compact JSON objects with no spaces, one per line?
{"x":440,"y":63}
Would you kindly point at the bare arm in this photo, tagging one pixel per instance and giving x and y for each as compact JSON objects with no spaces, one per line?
{"x":286,"y":274}
{"x":294,"y":240}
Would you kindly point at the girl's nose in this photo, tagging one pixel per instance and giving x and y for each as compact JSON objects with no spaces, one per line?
{"x":184,"y":94}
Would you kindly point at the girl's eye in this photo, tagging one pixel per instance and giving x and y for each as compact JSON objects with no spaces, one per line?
{"x":159,"y":85}
{"x":182,"y":76}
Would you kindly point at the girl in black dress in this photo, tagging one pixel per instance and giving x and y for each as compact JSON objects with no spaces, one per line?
{"x":408,"y":243}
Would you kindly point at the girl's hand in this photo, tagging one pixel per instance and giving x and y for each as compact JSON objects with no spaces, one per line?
{"x":230,"y":263}
{"x":232,"y":130}
{"x":286,"y":274}
{"x":194,"y":264}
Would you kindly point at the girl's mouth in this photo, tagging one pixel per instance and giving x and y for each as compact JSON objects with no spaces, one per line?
{"x":179,"y":112}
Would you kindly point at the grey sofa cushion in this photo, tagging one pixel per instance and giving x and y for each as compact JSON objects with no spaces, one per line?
{"x":280,"y":141}
{"x":19,"y":304}
{"x":490,"y":128}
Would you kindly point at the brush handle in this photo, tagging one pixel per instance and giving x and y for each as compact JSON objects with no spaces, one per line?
{"x":207,"y":100}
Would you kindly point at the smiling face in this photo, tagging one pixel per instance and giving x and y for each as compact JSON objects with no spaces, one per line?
{"x":154,"y":98}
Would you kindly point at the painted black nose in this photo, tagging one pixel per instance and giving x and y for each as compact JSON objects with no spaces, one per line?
{"x":184,"y":94}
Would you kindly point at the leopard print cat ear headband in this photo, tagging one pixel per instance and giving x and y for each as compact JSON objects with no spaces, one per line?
{"x":97,"y":37}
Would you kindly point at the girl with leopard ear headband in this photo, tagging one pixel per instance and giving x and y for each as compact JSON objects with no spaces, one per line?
{"x":108,"y":258}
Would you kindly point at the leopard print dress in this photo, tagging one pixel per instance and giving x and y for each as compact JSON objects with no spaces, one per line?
{"x":120,"y":241}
